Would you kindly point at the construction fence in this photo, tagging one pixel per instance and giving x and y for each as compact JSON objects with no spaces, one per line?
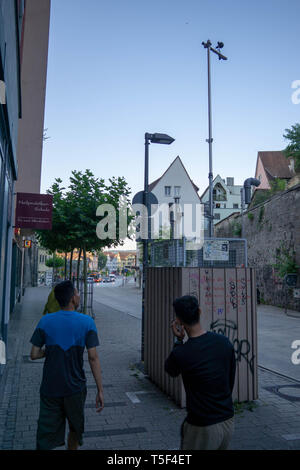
{"x":215,"y":252}
{"x":227,"y":298}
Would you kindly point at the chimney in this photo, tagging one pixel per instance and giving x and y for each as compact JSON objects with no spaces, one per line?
{"x":230,"y":181}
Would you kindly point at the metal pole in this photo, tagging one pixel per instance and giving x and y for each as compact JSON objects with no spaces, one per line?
{"x":210,"y":140}
{"x":145,"y":241}
{"x":22,"y":267}
{"x":243,"y":208}
{"x":207,"y":46}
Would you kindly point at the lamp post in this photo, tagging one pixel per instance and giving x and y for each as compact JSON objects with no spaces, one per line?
{"x":153,"y":139}
{"x":246,"y":195}
{"x":207,"y":45}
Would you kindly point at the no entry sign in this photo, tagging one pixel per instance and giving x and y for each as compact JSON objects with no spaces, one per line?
{"x":34,"y":211}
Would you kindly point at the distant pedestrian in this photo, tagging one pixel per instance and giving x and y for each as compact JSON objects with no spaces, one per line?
{"x":207,"y":364}
{"x":51,"y":305}
{"x":65,"y":335}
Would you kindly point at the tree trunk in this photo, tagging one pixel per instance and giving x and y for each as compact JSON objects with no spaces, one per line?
{"x":71,"y":264}
{"x":66,"y":264}
{"x":84,"y":281}
{"x":78,"y":267}
{"x":53,"y":269}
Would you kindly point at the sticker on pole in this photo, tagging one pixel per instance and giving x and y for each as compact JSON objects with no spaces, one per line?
{"x":2,"y":353}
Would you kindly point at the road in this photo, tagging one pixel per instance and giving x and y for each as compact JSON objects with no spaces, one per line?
{"x":126,"y":298}
{"x":276,"y":331}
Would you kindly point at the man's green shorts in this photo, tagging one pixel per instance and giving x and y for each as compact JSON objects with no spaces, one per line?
{"x":54,"y":411}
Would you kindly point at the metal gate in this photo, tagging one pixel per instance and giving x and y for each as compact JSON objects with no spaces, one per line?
{"x":215,"y":252}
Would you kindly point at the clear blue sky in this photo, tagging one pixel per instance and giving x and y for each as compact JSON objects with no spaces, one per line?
{"x":119,"y":68}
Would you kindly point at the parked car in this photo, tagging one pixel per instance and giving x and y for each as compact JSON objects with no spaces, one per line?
{"x":106,"y":279}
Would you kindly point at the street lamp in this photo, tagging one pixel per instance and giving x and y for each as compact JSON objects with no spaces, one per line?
{"x":153,"y":139}
{"x":246,"y":195}
{"x":207,"y":45}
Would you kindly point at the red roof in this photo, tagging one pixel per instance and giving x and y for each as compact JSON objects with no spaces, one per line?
{"x":275,"y":164}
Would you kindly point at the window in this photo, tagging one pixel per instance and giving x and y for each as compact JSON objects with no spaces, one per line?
{"x":218,"y":206}
{"x":177,"y":200}
{"x":235,"y":206}
{"x":224,"y":206}
{"x":219,"y":193}
{"x":177,"y":190}
{"x":217,"y":216}
{"x":167,"y":190}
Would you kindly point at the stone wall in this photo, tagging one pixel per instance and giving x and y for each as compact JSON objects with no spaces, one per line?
{"x":268,"y":228}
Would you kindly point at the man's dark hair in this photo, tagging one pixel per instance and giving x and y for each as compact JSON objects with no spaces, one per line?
{"x":187,"y":309}
{"x":63,"y":292}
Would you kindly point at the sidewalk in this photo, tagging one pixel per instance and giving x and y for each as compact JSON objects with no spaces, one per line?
{"x":137,"y":415}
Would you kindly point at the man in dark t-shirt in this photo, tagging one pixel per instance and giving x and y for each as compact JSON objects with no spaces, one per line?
{"x":207,"y":364}
{"x":65,"y":334}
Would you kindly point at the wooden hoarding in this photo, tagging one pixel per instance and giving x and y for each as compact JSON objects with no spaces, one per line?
{"x":227,"y":298}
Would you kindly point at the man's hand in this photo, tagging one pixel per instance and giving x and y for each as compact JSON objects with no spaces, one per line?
{"x":178,"y":330}
{"x":96,"y":370}
{"x":37,"y":353}
{"x":99,"y":401}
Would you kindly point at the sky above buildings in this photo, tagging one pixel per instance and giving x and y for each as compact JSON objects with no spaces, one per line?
{"x":120,"y":68}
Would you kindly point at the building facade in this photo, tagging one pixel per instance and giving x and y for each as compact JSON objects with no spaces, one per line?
{"x":23,"y":39}
{"x":11,"y":23}
{"x":226,"y":198}
{"x":33,"y":77}
{"x":174,"y":188}
{"x":271,"y":165}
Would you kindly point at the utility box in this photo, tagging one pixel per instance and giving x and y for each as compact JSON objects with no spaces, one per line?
{"x":227,"y":298}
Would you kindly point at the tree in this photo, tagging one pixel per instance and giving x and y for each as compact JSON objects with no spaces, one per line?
{"x":55,"y":262}
{"x":293,"y":148}
{"x":76,"y":219}
{"x":102,"y":260}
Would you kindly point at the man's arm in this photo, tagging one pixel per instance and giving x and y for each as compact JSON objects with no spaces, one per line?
{"x":37,"y":353}
{"x":171,"y":366}
{"x":94,"y":362}
{"x":232,"y":370}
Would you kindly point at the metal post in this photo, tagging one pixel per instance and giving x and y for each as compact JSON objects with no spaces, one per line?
{"x":243,"y":208}
{"x":145,"y":241}
{"x":207,"y":46}
{"x":184,"y":250}
{"x":210,"y":140}
{"x":22,"y":267}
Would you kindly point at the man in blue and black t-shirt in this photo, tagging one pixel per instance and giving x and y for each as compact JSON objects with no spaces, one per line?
{"x":65,"y":334}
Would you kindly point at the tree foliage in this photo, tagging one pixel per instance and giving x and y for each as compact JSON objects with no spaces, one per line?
{"x":74,"y":219}
{"x":55,"y":262}
{"x":293,"y":148}
{"x":102,"y":260}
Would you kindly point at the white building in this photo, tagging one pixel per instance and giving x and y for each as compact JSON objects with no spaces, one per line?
{"x":226,"y":197}
{"x":175,"y":187}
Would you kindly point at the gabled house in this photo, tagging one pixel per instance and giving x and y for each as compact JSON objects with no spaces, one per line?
{"x":226,"y":198}
{"x":175,"y":187}
{"x":272,"y":165}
